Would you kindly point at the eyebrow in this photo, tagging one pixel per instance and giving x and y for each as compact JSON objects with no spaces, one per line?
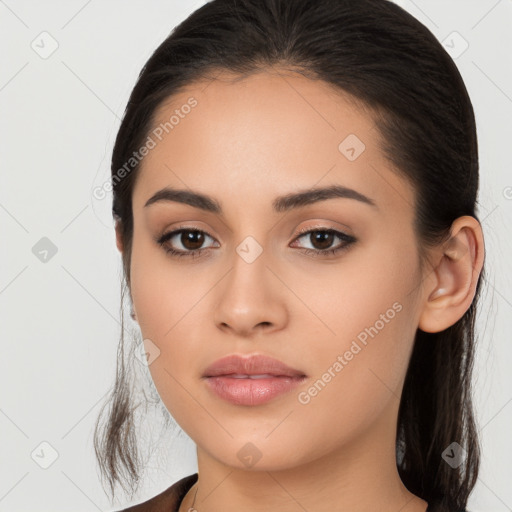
{"x":280,"y":204}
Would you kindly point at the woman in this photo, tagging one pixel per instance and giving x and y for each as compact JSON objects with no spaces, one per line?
{"x":294,"y":189}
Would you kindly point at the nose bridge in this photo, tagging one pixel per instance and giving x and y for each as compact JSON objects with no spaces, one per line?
{"x":247,"y":280}
{"x":249,"y":297}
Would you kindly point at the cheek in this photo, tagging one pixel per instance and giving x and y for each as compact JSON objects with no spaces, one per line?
{"x":164,"y":293}
{"x":369,"y":318}
{"x":169,"y":301}
{"x":369,"y":290}
{"x":358,"y":375}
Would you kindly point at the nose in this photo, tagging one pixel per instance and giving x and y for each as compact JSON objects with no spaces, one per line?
{"x":250,"y":300}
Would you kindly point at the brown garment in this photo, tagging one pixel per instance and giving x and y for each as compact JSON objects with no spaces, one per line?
{"x":168,"y":500}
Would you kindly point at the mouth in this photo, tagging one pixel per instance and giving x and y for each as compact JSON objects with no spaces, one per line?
{"x":252,"y":380}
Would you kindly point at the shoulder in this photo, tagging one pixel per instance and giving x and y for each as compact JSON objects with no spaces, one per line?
{"x":169,"y":500}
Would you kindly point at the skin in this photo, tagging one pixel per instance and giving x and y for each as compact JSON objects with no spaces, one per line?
{"x":245,"y":143}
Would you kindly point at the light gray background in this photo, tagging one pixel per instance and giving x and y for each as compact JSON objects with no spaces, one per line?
{"x":60,"y":318}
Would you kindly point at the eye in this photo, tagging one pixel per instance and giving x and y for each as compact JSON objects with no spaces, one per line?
{"x":190,"y":239}
{"x":322,"y":240}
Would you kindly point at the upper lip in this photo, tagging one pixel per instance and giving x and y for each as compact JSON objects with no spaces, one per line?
{"x":250,"y":365}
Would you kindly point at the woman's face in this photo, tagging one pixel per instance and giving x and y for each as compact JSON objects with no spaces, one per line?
{"x":345,"y":319}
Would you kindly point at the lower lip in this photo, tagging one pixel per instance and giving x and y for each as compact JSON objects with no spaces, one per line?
{"x":252,"y":391}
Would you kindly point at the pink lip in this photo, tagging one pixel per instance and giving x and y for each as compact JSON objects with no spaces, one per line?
{"x":222,"y":379}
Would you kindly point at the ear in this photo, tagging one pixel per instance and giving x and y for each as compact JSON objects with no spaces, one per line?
{"x":119,"y":238}
{"x":452,"y":283}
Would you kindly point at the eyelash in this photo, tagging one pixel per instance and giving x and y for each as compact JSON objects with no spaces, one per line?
{"x":348,"y":239}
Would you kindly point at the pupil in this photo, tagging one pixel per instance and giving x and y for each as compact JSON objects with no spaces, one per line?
{"x":192,"y":237}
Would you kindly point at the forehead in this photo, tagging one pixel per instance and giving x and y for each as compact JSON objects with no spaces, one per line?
{"x":265,"y":135}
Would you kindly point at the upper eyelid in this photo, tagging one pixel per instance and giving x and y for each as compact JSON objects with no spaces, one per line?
{"x":323,"y":227}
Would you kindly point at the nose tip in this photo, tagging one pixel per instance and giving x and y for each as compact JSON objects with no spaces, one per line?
{"x":250,"y":300}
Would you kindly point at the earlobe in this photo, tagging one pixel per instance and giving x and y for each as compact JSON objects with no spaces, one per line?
{"x":455,"y":277}
{"x":119,"y":238}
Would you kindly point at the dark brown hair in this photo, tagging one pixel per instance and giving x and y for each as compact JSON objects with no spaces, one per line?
{"x":390,"y":63}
